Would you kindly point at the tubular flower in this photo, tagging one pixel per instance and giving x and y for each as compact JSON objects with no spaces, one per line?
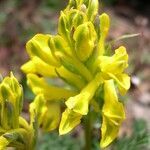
{"x":14,"y":130}
{"x":69,"y":120}
{"x":113,"y":67}
{"x":77,"y":55}
{"x":112,"y":114}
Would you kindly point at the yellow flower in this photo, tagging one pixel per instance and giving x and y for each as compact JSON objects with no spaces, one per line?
{"x":80,"y":102}
{"x":112,"y":114}
{"x":3,"y":143}
{"x":35,"y":65}
{"x":46,"y":113}
{"x":14,"y":130}
{"x":78,"y":105}
{"x":69,"y":120}
{"x":50,"y":92}
{"x":113,"y":68}
{"x":38,"y":46}
{"x":85,"y":37}
{"x":11,"y":99}
{"x":77,"y":55}
{"x":104,"y":28}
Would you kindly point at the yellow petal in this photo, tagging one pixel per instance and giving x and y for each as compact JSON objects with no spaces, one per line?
{"x":38,"y":109}
{"x":11,"y":99}
{"x":104,"y":28}
{"x":38,"y":66}
{"x":63,"y":26}
{"x":80,"y":102}
{"x":39,"y":85}
{"x":38,"y":46}
{"x":74,"y":65}
{"x":104,"y":24}
{"x":70,"y":20}
{"x":51,"y":117}
{"x":92,"y":9}
{"x":58,"y":43}
{"x":121,"y":54}
{"x":47,"y":114}
{"x":70,"y":77}
{"x":69,"y":120}
{"x":84,"y":37}
{"x":28,"y":67}
{"x":76,"y":18}
{"x":3,"y":143}
{"x":109,"y":132}
{"x":115,"y":64}
{"x":123,"y":82}
{"x":113,"y":114}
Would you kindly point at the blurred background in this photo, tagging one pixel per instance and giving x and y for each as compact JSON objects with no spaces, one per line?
{"x":20,"y":20}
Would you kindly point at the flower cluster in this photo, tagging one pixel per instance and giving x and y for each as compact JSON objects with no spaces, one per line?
{"x":14,"y":130}
{"x":77,"y":55}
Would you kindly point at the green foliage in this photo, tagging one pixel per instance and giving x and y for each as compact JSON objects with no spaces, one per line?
{"x":55,"y":142}
{"x":140,"y":138}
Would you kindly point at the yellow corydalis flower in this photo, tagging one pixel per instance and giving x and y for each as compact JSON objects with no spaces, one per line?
{"x":84,"y":36}
{"x":69,"y":120}
{"x":104,"y":28}
{"x":78,"y":106}
{"x":113,"y":67}
{"x":80,"y":102}
{"x":77,"y":55}
{"x":39,"y":85}
{"x":112,"y":114}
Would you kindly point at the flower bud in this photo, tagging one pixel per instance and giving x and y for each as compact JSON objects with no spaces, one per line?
{"x":76,"y":18}
{"x":92,"y":10}
{"x":72,"y":4}
{"x":104,"y":28}
{"x":11,"y":102}
{"x":38,"y":46}
{"x":46,"y":113}
{"x":57,"y":43}
{"x":84,"y":36}
{"x":63,"y":26}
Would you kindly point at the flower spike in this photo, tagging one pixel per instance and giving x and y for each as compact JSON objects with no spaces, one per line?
{"x":76,"y":58}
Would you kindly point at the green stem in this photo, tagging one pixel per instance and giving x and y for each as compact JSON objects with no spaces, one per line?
{"x":87,"y":129}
